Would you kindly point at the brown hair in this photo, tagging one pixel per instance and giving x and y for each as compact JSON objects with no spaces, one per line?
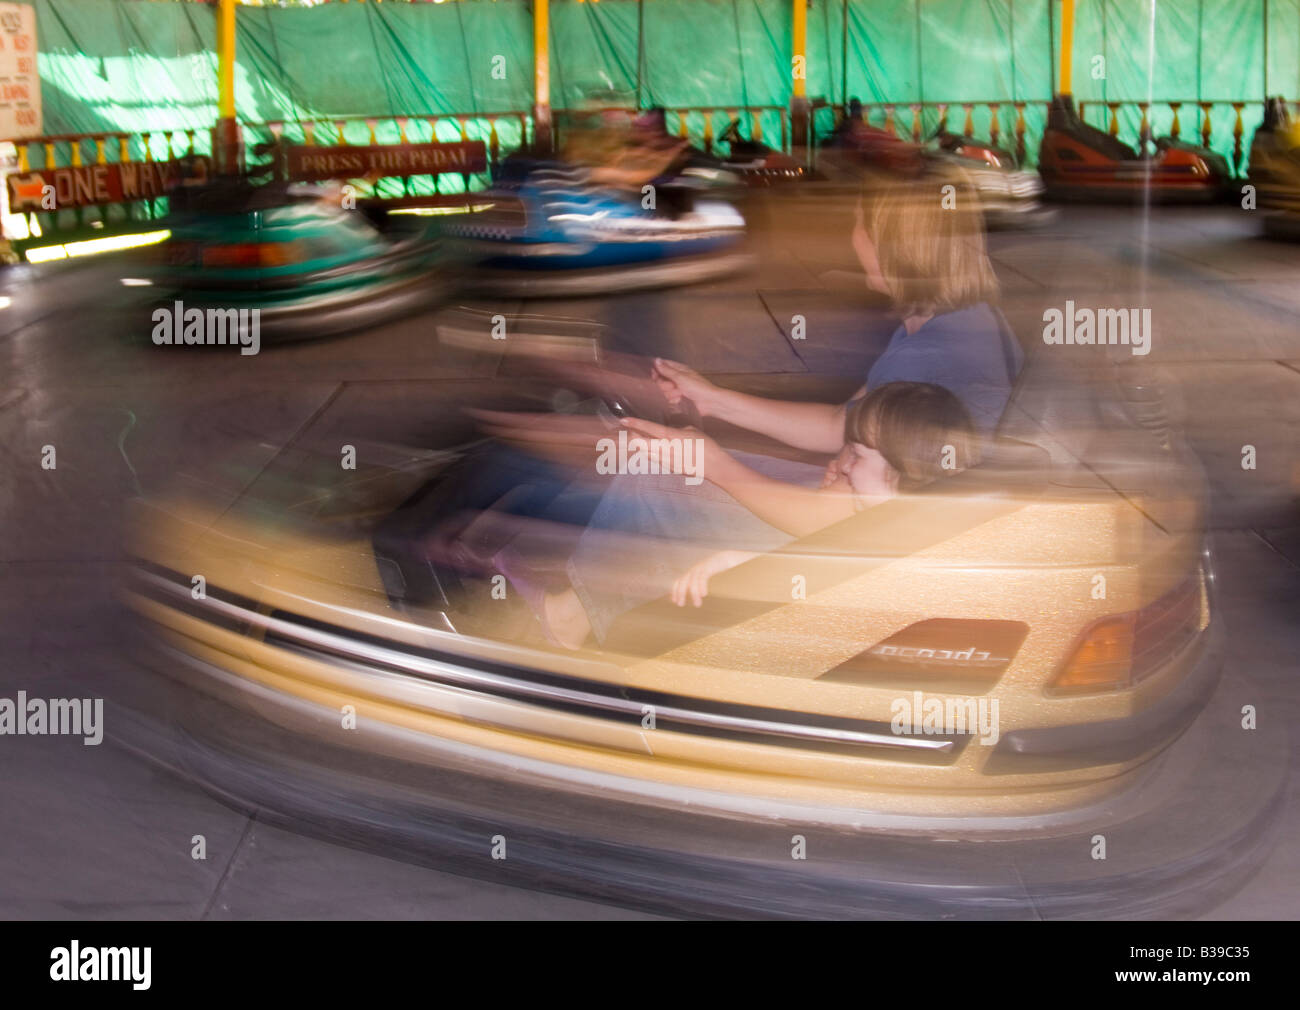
{"x":930,"y":242}
{"x":921,"y":429}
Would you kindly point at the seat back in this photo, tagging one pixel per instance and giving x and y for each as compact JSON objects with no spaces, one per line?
{"x":1063,"y":118}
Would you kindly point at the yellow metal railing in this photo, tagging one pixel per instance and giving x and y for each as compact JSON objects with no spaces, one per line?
{"x":75,"y":149}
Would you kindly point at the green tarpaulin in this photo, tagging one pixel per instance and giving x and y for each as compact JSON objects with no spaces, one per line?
{"x":136,"y":65}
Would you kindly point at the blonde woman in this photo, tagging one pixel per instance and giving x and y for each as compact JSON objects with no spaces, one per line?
{"x":923,"y":246}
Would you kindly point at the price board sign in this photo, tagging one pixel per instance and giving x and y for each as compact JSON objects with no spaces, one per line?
{"x":20,"y":84}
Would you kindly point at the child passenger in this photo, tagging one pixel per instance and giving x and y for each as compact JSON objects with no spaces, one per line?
{"x":901,"y":437}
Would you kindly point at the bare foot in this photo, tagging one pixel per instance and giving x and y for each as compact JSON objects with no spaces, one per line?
{"x":567,"y":619}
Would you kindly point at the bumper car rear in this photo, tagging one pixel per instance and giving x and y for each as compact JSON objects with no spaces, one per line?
{"x":1182,"y":836}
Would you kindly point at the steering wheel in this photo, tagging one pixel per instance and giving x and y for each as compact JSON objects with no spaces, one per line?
{"x":612,"y":406}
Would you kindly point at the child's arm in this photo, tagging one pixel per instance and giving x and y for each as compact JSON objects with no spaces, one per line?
{"x":792,"y":508}
{"x":694,"y":585}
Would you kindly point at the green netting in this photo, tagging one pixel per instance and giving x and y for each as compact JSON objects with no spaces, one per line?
{"x":109,"y":66}
{"x":131,"y":65}
{"x":594,"y":48}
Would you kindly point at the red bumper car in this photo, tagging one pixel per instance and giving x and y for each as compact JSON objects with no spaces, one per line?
{"x":1081,"y":162}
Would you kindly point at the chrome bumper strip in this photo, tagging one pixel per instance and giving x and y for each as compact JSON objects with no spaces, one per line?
{"x":546,"y":690}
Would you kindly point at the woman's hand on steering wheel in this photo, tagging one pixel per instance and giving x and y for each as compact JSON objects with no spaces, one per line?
{"x":677,"y":382}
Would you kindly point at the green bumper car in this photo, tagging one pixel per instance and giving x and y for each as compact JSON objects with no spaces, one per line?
{"x":308,"y":266}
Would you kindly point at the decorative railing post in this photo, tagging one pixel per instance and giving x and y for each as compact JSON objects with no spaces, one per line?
{"x":462,"y":125}
{"x":1175,"y":127}
{"x":1237,"y":130}
{"x":1020,"y":131}
{"x":943,"y":117}
{"x":279,"y":166}
{"x":1113,"y":129}
{"x":1205,"y":123}
{"x":1144,"y":128}
{"x":995,"y":128}
{"x":916,"y":123}
{"x":889,"y":121}
{"x":968,"y":127}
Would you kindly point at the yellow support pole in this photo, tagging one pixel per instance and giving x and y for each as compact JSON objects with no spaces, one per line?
{"x":799,"y":58}
{"x":1067,"y":47}
{"x":542,"y":72}
{"x":799,"y":108}
{"x":226,"y":59}
{"x":226,"y":146}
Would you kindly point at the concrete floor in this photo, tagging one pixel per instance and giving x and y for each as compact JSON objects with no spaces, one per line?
{"x":94,"y":833}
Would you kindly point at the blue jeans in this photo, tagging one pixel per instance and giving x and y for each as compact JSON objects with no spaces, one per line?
{"x":536,"y":488}
{"x":648,"y":530}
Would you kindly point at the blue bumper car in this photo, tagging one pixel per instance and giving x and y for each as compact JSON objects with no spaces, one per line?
{"x":550,"y":231}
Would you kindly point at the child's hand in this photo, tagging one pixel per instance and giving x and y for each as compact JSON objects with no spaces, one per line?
{"x":838,"y":468}
{"x":694,"y":585}
{"x":662,"y":441}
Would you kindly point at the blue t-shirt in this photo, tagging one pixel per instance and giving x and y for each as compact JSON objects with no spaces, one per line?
{"x":971,"y":352}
